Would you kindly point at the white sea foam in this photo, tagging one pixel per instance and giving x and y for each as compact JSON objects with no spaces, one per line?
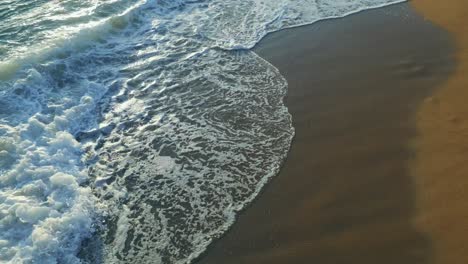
{"x":45,"y":211}
{"x":149,"y":116}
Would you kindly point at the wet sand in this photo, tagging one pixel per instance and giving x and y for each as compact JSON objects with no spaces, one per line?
{"x":346,"y":192}
{"x":440,"y":167}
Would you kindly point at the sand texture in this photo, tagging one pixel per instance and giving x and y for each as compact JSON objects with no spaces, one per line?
{"x":440,"y":167}
{"x":346,"y":192}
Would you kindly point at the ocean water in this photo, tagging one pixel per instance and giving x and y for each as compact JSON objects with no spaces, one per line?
{"x":135,"y":131}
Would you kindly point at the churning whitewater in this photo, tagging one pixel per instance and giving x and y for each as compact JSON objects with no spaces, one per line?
{"x":134,"y":131}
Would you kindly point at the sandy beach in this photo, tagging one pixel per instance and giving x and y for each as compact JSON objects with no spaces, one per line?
{"x":361,"y":92}
{"x":154,"y":132}
{"x":440,"y":167}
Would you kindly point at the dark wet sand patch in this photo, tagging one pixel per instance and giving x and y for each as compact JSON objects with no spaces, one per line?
{"x":345,"y":194}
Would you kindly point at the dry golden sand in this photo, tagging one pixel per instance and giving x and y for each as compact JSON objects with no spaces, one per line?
{"x":440,"y":168}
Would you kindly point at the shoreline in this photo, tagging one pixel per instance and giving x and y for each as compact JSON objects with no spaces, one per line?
{"x":439,"y":167}
{"x":333,"y":201}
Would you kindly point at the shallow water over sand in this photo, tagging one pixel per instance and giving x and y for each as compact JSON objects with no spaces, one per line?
{"x":134,"y":131}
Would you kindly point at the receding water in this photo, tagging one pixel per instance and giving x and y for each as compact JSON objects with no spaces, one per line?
{"x":134,"y":131}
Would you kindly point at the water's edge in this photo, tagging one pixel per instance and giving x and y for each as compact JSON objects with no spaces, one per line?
{"x":158,"y":148}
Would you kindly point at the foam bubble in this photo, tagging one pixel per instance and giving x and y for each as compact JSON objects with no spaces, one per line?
{"x":62,"y":179}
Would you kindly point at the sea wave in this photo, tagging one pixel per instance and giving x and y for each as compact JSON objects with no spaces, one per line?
{"x":135,"y":131}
